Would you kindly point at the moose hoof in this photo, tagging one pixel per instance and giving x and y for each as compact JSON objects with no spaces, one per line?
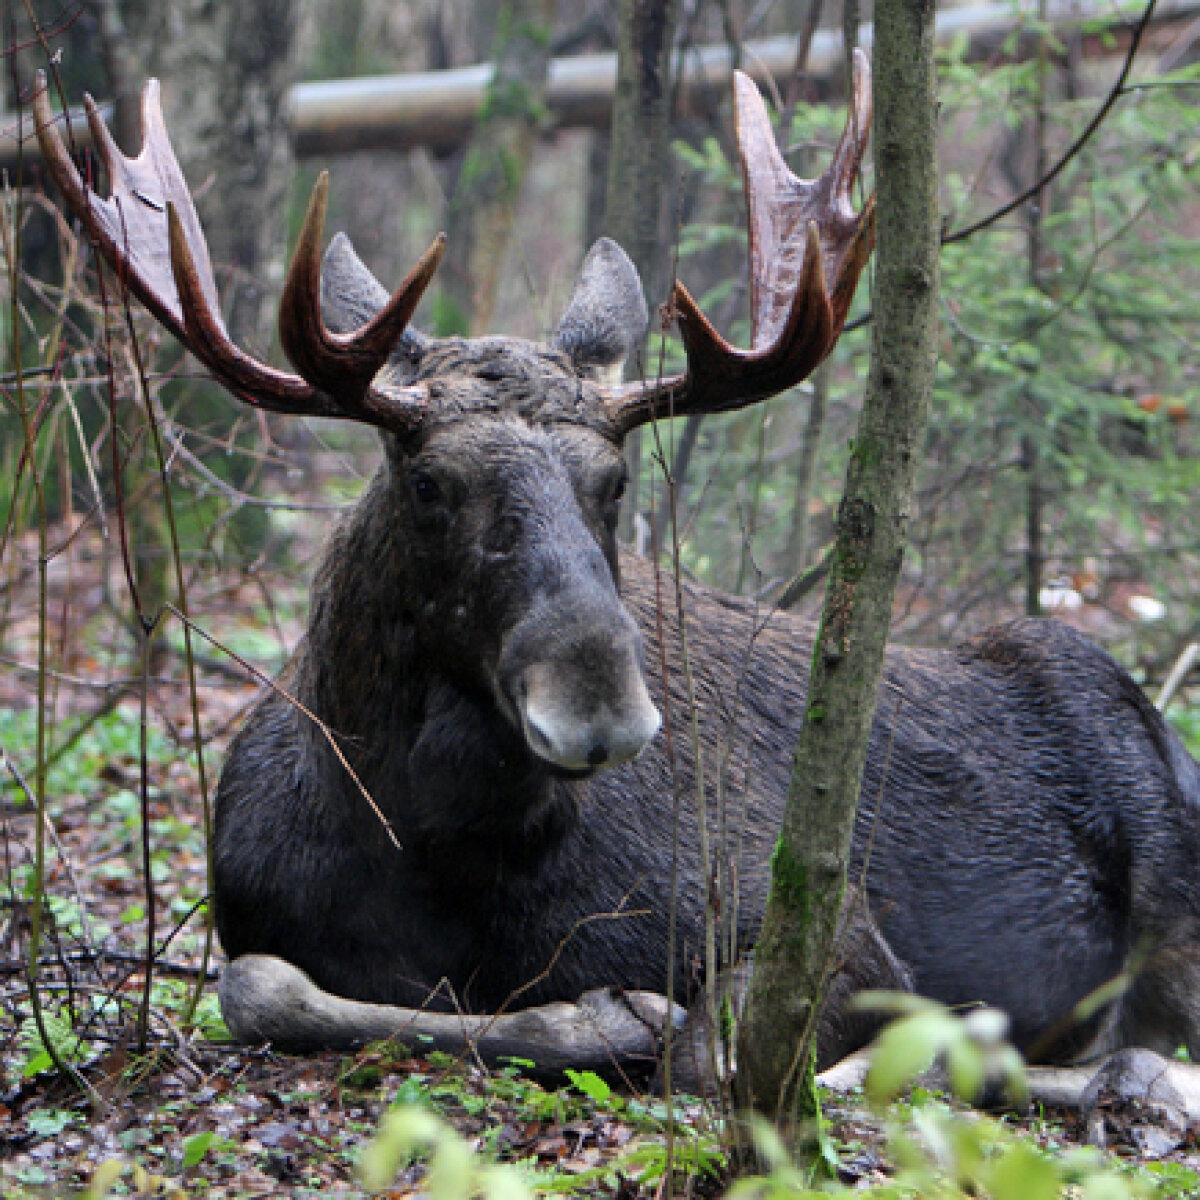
{"x":1135,"y":1100}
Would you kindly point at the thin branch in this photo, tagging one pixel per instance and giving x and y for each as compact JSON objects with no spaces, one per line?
{"x":235,"y":494}
{"x":1115,"y":93}
{"x":326,"y":732}
{"x":114,"y":685}
{"x":1179,"y":672}
{"x":805,"y":582}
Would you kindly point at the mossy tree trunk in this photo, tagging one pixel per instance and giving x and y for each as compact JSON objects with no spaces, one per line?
{"x":479,"y":223}
{"x":808,"y":872}
{"x":225,"y":72}
{"x":639,"y":154}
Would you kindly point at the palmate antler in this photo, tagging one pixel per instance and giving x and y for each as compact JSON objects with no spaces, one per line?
{"x":808,"y":247}
{"x":149,"y":231}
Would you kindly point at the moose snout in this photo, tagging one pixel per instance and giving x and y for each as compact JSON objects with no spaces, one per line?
{"x":582,"y":733}
{"x":582,"y":702}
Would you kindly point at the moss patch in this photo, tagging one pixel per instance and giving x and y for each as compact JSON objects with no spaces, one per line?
{"x":789,"y":882}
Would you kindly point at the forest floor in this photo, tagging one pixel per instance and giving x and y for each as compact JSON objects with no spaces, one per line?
{"x":156,"y":1103}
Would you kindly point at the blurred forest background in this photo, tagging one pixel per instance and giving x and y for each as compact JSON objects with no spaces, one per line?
{"x":1062,"y":459}
{"x":156,"y":539}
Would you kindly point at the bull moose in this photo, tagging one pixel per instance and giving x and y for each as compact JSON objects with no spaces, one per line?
{"x":458,"y":799}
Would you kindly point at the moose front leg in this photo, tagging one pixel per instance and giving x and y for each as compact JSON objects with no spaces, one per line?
{"x":265,"y":999}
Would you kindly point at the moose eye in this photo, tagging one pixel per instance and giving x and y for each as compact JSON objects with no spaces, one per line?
{"x":619,"y":483}
{"x":425,"y":489}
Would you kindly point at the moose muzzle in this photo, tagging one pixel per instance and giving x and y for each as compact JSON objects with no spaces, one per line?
{"x":579,"y":691}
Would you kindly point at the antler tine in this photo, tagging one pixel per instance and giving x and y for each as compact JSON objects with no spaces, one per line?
{"x":105,"y":222}
{"x":205,"y":335}
{"x":342,"y":364}
{"x":808,"y":247}
{"x":852,"y":145}
{"x":149,"y":231}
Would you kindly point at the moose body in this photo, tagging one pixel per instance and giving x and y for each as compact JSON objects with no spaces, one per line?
{"x":456,"y":796}
{"x":1027,"y":820}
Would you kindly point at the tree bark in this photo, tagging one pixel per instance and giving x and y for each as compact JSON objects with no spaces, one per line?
{"x":795,"y":949}
{"x":638,"y":154}
{"x":490,"y":180}
{"x":225,"y":73}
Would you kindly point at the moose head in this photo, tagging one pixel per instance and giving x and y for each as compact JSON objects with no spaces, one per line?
{"x":497,"y":506}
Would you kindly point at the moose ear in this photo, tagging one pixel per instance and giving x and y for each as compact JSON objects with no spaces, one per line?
{"x":606,"y":317}
{"x":351,"y":296}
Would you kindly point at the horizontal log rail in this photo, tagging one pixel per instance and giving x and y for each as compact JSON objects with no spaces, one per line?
{"x":438,"y":108}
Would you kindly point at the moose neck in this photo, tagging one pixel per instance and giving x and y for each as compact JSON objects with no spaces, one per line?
{"x":357,"y":657}
{"x":440,"y":760}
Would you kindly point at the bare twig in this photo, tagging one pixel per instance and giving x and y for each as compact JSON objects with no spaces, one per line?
{"x":1178,"y":673}
{"x":326,"y":732}
{"x":19,"y":779}
{"x":1089,"y":130}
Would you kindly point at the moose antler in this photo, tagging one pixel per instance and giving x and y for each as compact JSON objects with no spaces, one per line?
{"x":149,"y":231}
{"x":808,"y":247}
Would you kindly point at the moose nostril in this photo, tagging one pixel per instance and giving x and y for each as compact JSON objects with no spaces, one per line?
{"x":504,"y":536}
{"x":597,"y":754}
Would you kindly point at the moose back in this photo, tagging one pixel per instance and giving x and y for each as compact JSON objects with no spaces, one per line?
{"x":460,"y":788}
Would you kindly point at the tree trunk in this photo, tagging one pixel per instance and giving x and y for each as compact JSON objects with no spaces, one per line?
{"x":795,"y":949}
{"x":480,"y":219}
{"x":225,"y":73}
{"x":1031,"y":454}
{"x":637,"y":165}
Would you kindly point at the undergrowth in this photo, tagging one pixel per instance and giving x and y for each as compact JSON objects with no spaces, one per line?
{"x":933,"y":1145}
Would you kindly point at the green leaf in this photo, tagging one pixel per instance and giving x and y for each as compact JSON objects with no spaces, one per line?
{"x":965,"y":1066}
{"x":402,"y":1132}
{"x":450,"y":1169}
{"x":104,"y":1178}
{"x":48,"y":1122}
{"x":768,"y":1145}
{"x":411,"y":1091}
{"x":196,"y":1147}
{"x":905,"y":1049}
{"x":1109,"y":1187}
{"x":526,"y":1064}
{"x":1021,"y":1173}
{"x":502,"y":1183}
{"x":590,"y":1084}
{"x":36,"y":1063}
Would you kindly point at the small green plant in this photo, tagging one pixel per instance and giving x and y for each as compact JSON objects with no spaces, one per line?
{"x":591,"y":1085}
{"x":173,"y":997}
{"x":83,"y":758}
{"x":454,"y":1171}
{"x":60,"y":1032}
{"x":973,"y":1048}
{"x":939,"y":1151}
{"x":197,"y":1147}
{"x":49,"y":1122}
{"x":1174,"y":1181}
